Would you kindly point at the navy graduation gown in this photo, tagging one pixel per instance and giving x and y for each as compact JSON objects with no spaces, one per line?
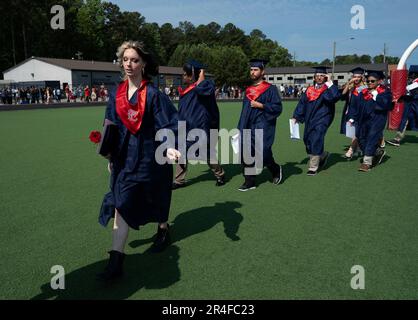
{"x":350,"y":110}
{"x":140,"y":187}
{"x":372,"y":121}
{"x":254,"y":118}
{"x":410,"y":114}
{"x":317,"y":116}
{"x":199,"y":109}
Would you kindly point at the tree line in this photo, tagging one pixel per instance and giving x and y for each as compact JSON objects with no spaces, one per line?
{"x":94,"y":29}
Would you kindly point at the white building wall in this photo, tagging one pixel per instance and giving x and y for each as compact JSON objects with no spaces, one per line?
{"x":345,"y":76}
{"x":36,"y":70}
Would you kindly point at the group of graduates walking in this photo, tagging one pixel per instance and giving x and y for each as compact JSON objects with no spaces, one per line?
{"x":141,"y":187}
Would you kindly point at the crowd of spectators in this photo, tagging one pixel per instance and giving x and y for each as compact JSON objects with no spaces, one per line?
{"x":36,"y":95}
{"x":47,"y":95}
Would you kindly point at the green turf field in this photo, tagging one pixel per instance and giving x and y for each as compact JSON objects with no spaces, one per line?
{"x":297,"y":240}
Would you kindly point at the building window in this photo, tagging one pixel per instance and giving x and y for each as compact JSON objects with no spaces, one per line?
{"x":279,"y":78}
{"x":289,"y":78}
{"x":310,"y":78}
{"x":340,"y":77}
{"x":271,"y":78}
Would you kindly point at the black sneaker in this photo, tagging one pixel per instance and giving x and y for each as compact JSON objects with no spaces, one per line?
{"x":377,"y":159}
{"x":220,"y":182}
{"x":394,"y":142}
{"x":323,"y":161}
{"x":177,"y":186}
{"x":246,"y":187}
{"x":162,"y":240}
{"x":311,"y":173}
{"x":278,"y":177}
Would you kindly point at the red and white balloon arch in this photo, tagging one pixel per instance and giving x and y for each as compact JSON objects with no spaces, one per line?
{"x":399,"y":81}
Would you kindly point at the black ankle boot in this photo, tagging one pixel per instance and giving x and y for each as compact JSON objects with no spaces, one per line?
{"x":114,"y":268}
{"x":276,"y":172}
{"x":162,"y":240}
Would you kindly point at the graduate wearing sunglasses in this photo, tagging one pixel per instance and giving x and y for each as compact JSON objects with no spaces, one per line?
{"x":374,"y":104}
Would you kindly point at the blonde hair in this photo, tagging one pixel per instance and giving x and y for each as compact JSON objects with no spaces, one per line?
{"x":151,"y":67}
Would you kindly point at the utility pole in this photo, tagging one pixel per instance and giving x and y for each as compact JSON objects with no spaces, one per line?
{"x":12,"y":27}
{"x":384,"y":53}
{"x":294,"y":58}
{"x":333,"y":59}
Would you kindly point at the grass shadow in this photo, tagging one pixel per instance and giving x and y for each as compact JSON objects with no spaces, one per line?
{"x":142,"y":271}
{"x":335,"y":158}
{"x":199,"y":220}
{"x":410,"y":139}
{"x":289,"y":169}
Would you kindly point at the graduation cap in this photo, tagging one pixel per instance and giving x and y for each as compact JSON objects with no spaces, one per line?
{"x":258,"y":63}
{"x":358,"y":70}
{"x":321,"y":69}
{"x":413,"y":69}
{"x":376,"y":74}
{"x":196,"y":65}
{"x":193,"y":67}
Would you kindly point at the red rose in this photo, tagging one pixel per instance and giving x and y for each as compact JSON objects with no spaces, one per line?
{"x":95,"y":136}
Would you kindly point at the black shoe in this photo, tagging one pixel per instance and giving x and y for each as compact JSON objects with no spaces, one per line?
{"x":278,"y":177}
{"x":377,"y":159}
{"x":114,"y":268}
{"x":177,"y":186}
{"x":220,"y":182}
{"x":246,"y":187}
{"x":162,"y":240}
{"x":323,"y":162}
{"x":394,"y":142}
{"x":311,"y":173}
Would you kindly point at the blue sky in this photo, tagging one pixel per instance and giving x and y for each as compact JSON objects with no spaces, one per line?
{"x":307,"y":28}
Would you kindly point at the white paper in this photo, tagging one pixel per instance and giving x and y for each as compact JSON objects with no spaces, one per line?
{"x":350,"y":131}
{"x":235,"y":143}
{"x":294,"y":130}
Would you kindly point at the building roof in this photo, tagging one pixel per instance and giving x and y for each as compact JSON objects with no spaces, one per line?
{"x":170,"y":70}
{"x":338,"y":68}
{"x":72,"y":64}
{"x":90,"y":65}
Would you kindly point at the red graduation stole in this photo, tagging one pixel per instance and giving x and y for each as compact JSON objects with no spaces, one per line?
{"x":187,"y":90}
{"x":355,"y":91}
{"x":368,"y":96}
{"x":253,"y":92}
{"x":313,"y":94}
{"x":131,"y":114}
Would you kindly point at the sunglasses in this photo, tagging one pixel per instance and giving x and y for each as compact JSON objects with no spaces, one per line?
{"x":371,"y":81}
